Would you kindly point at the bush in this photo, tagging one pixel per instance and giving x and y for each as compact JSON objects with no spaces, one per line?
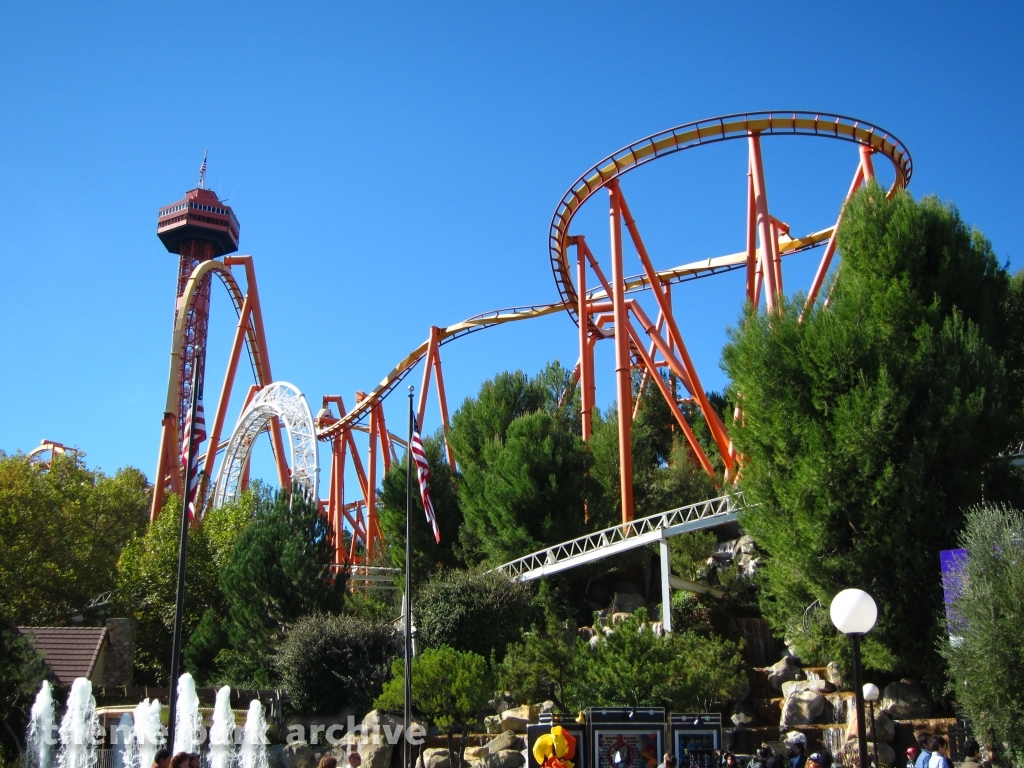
{"x":330,"y":664}
{"x":473,"y":611}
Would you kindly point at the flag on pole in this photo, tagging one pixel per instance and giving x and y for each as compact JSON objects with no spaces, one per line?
{"x":419,"y":457}
{"x":202,"y":172}
{"x":197,"y":431}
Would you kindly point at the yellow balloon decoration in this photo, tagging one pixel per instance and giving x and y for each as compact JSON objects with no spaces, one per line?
{"x":554,"y":750}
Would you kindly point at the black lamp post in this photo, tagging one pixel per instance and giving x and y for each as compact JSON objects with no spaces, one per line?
{"x":854,"y":613}
{"x":871,"y":696}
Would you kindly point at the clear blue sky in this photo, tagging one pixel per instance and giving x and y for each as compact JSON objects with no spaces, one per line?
{"x":395,"y":166}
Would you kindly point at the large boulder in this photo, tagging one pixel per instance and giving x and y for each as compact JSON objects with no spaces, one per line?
{"x":518,"y":718}
{"x":796,"y":686}
{"x":743,"y":714}
{"x":507,"y":740}
{"x":375,"y":752}
{"x":905,"y":700}
{"x":505,"y":758}
{"x":782,"y":671}
{"x":802,"y":708}
{"x":492,"y":724}
{"x":475,"y":754}
{"x":882,"y":725}
{"x":851,"y":753}
{"x":436,"y":758}
{"x":834,"y":674}
{"x":626,"y":602}
{"x":298,"y":754}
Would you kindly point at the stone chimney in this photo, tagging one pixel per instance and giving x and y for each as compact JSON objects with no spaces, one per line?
{"x":119,"y":658}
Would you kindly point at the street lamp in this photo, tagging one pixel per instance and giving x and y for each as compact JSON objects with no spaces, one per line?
{"x":871,"y":696}
{"x":854,"y":613}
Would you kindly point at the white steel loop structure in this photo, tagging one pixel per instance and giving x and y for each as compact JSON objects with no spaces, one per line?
{"x":285,"y":402}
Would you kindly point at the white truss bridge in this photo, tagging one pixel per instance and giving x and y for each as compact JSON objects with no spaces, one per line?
{"x":658,"y":528}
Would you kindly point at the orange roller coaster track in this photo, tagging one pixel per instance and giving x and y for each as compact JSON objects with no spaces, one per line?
{"x":607,"y":308}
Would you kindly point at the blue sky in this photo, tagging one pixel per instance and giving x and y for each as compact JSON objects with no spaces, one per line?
{"x":395,"y":166}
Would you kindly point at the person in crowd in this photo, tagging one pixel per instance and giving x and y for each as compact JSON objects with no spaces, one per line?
{"x":162,"y":758}
{"x":972,"y":753}
{"x":729,"y":761}
{"x":797,"y":755}
{"x":193,"y":760}
{"x":775,"y":760}
{"x":328,"y":761}
{"x":354,"y":760}
{"x":760,"y":759}
{"x":668,"y":760}
{"x":912,"y":756}
{"x":924,"y":754}
{"x":180,"y":760}
{"x":940,"y":753}
{"x":816,"y":760}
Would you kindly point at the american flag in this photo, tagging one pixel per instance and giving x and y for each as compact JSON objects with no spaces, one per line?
{"x":202,"y":172}
{"x":419,"y":456}
{"x":192,"y":474}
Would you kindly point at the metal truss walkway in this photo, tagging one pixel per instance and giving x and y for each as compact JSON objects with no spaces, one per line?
{"x":658,"y":528}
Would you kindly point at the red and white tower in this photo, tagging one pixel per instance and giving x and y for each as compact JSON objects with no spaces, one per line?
{"x":198,"y":228}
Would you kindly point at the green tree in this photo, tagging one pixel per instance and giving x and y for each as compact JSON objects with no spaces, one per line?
{"x":331,"y":664}
{"x":542,"y":664}
{"x":869,"y":424}
{"x":278,"y":572}
{"x":986,"y":661}
{"x":21,"y":672}
{"x":63,"y":529}
{"x":472,"y":611}
{"x":450,"y":689}
{"x":631,"y":666}
{"x":427,"y":555}
{"x":524,"y":467}
{"x":147,"y":580}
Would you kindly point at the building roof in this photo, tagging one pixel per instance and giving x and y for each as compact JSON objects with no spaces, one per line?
{"x":69,"y":651}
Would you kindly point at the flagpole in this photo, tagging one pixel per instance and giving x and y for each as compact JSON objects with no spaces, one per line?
{"x":406,"y":745}
{"x":179,"y":604}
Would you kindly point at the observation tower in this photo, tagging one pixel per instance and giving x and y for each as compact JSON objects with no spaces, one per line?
{"x":198,"y":228}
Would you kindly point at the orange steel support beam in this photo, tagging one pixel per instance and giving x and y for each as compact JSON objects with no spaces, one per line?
{"x":763,"y":222}
{"x":689,"y":375}
{"x":371,"y":483}
{"x":432,"y":361}
{"x":752,"y":283}
{"x":776,"y":259}
{"x":695,"y":446}
{"x":442,"y":401}
{"x":229,"y":382}
{"x":587,"y":387}
{"x":866,"y":164}
{"x":830,"y":248}
{"x":623,"y":375}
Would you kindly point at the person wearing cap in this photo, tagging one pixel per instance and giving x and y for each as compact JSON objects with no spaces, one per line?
{"x":816,"y":760}
{"x":912,"y":756}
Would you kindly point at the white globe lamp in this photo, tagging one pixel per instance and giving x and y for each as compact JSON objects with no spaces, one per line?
{"x":853,"y":612}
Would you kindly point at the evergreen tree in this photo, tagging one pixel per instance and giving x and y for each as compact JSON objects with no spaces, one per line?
{"x":21,"y":672}
{"x":869,"y":424}
{"x":986,"y":658}
{"x":278,"y":571}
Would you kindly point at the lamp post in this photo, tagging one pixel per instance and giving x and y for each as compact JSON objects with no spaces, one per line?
{"x":853,"y":611}
{"x":871,"y":696}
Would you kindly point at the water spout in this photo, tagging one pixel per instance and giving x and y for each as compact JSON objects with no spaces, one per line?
{"x":78,"y":728}
{"x":253,"y":753}
{"x":124,"y":745}
{"x":148,"y":735}
{"x":222,"y":732}
{"x":41,"y":737}
{"x":188,"y":725}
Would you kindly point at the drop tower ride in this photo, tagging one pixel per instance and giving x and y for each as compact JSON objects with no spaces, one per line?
{"x":198,"y":228}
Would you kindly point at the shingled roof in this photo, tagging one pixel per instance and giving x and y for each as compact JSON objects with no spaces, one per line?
{"x":69,"y":651}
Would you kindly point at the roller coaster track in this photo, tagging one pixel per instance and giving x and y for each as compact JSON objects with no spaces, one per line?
{"x":621,"y":538}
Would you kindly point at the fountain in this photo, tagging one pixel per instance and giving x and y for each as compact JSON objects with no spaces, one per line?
{"x":41,"y":738}
{"x":188,"y":725}
{"x":222,"y":732}
{"x":253,"y":753}
{"x":125,"y":751}
{"x":78,"y":728}
{"x":147,"y":736}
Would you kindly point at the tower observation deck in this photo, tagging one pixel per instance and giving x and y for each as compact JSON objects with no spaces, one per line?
{"x":198,"y":228}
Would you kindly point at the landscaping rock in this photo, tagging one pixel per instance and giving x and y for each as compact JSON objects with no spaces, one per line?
{"x":374,"y":755}
{"x":905,"y":700}
{"x":745,"y":544}
{"x":507,"y":740}
{"x":518,"y":718}
{"x":547,"y":707}
{"x":626,"y":602}
{"x":802,"y":708}
{"x":743,"y":714}
{"x":796,"y":686}
{"x":436,"y":758}
{"x":506,"y":758}
{"x":473,"y":754}
{"x":783,"y":671}
{"x":620,"y":616}
{"x":492,"y":724}
{"x":883,"y":725}
{"x":835,"y":676}
{"x":295,"y":755}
